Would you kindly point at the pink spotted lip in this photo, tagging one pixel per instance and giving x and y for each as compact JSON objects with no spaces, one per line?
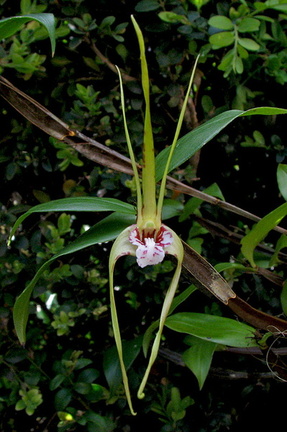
{"x":150,"y":248}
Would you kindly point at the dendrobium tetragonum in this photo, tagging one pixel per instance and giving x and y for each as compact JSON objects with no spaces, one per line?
{"x":148,"y":240}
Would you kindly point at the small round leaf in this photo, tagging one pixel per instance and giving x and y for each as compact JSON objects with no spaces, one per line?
{"x":221,"y":39}
{"x":248,"y":44}
{"x":221,"y":22}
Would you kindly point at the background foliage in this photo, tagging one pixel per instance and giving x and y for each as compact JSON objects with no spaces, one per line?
{"x":66,"y":377}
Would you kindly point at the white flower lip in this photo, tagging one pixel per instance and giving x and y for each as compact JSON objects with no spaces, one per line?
{"x":150,"y":250}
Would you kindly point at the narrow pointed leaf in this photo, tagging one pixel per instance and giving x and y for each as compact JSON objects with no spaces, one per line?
{"x":77,"y":204}
{"x":9,"y":26}
{"x":198,"y":358}
{"x":213,"y":328}
{"x":281,"y":244}
{"x":260,"y":230}
{"x":190,"y":143}
{"x":282,"y":179}
{"x":107,"y":229}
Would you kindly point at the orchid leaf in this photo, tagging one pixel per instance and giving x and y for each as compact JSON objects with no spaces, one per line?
{"x":198,"y":358}
{"x":9,"y":26}
{"x":77,"y":204}
{"x":171,"y":208}
{"x":213,"y":328}
{"x":260,"y":230}
{"x":193,"y":203}
{"x":107,"y":229}
{"x":281,"y":244}
{"x":282,"y":179}
{"x":190,"y":143}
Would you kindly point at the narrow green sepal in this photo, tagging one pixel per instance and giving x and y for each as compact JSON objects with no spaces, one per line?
{"x":121,"y":247}
{"x":175,"y":249}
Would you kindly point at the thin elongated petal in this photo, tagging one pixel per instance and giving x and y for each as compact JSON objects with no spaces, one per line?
{"x":130,"y":148}
{"x":122,"y":246}
{"x":174,"y":142}
{"x":175,"y":249}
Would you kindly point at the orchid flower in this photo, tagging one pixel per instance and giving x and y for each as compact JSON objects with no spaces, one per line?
{"x":148,"y":240}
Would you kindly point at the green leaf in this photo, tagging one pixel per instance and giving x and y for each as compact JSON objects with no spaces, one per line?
{"x":171,"y":208}
{"x":213,"y":329}
{"x":282,"y":180}
{"x":77,"y":204}
{"x":222,"y":39}
{"x":198,"y":358}
{"x":260,"y":6}
{"x":88,"y":375}
{"x":248,"y":25}
{"x":172,"y":17}
{"x":221,"y":22}
{"x":193,"y":203}
{"x":281,"y":244}
{"x":190,"y":143}
{"x":225,"y":266}
{"x":260,"y":230}
{"x":279,"y":7}
{"x":227,"y":61}
{"x":10,"y":26}
{"x":83,"y":388}
{"x":62,"y":399}
{"x":238,"y":65}
{"x":56,"y":381}
{"x":249,"y":44}
{"x":242,"y":52}
{"x":98,"y":423}
{"x":147,"y":5}
{"x":107,"y":229}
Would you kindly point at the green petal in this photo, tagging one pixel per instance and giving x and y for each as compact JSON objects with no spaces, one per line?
{"x":175,"y":249}
{"x":121,"y":247}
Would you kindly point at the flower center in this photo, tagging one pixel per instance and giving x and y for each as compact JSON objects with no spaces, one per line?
{"x":150,"y":248}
